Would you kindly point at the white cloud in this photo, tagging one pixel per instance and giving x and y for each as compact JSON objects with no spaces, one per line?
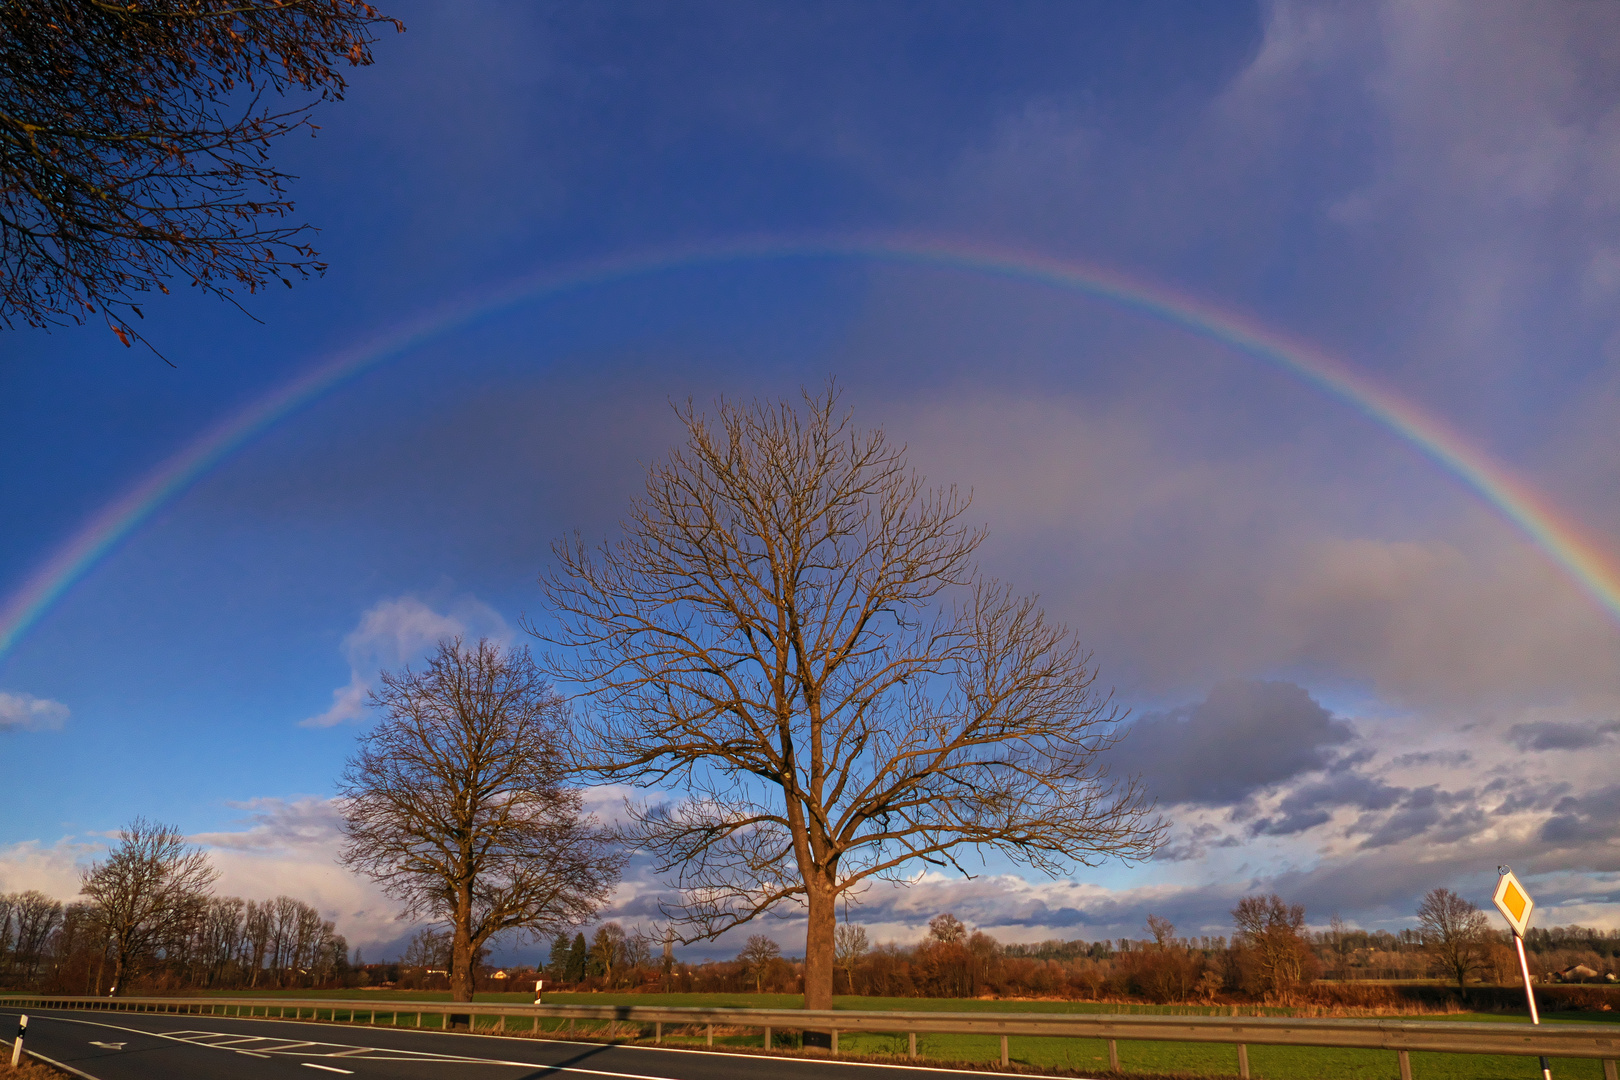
{"x":291,"y":846}
{"x":24,"y":712}
{"x":395,"y":632}
{"x":52,"y":870}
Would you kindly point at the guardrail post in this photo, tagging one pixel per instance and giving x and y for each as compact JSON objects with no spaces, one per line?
{"x":1113,"y":1054}
{"x":835,"y":1040}
{"x":911,"y":1041}
{"x":1610,"y":1071}
{"x":708,"y":1035}
{"x":1004,"y":1051}
{"x":1243,"y":1061}
{"x":1405,"y":1060}
{"x":767,"y":1038}
{"x":418,"y":1019}
{"x":658,"y":1031}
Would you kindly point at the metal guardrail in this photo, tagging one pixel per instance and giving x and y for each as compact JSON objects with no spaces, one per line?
{"x":1590,"y":1041}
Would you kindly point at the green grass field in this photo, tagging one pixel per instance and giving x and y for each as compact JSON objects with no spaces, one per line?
{"x":1081,"y":1056}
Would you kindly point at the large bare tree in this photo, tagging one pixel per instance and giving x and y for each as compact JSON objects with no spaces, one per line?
{"x":134,"y":144}
{"x":792,"y":628}
{"x":455,"y":803}
{"x":1455,"y":933}
{"x":149,"y":893}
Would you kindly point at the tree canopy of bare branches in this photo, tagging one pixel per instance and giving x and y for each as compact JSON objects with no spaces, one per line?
{"x":1455,"y":932}
{"x":134,"y":146}
{"x":149,"y":892}
{"x":791,"y":626}
{"x":455,"y":803}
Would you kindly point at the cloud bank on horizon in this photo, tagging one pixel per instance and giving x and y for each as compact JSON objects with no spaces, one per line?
{"x":1349,"y":681}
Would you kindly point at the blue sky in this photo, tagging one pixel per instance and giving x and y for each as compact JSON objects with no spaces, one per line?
{"x":1398,"y":688}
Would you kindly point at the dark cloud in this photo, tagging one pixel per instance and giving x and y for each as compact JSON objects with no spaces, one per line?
{"x":1588,"y":818}
{"x":1246,"y":736}
{"x":1312,"y":804}
{"x":1432,"y":758}
{"x":1554,"y":735}
{"x":1437,"y":816}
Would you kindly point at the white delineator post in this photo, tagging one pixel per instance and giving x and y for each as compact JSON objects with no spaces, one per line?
{"x":1515,"y":904}
{"x":16,"y":1047}
{"x":539,"y":984}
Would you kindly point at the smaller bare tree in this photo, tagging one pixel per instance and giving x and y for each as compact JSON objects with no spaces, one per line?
{"x":1162,"y":930}
{"x":946,"y":929}
{"x":757,"y":955}
{"x":1273,"y":931}
{"x":1455,"y":933}
{"x":149,"y":891}
{"x":607,"y":951}
{"x":1340,"y":942}
{"x":455,"y":804}
{"x":849,"y":945}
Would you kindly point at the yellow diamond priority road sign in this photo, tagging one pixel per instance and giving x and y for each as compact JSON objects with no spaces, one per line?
{"x":1514,"y":903}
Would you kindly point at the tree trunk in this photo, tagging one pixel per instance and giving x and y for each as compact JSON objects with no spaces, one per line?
{"x":118,"y":974}
{"x":818,"y":945}
{"x":461,"y":947}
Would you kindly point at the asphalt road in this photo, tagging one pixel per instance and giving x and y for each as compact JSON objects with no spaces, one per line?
{"x":155,"y":1046}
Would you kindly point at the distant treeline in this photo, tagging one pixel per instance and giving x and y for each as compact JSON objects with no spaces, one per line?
{"x":1272,"y":958}
{"x":230,"y":943}
{"x":219,"y":943}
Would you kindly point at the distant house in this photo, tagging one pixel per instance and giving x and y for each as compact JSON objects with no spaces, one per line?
{"x":1578,"y":973}
{"x":502,"y":974}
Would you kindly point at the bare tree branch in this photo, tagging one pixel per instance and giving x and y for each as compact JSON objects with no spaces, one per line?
{"x":134,"y":147}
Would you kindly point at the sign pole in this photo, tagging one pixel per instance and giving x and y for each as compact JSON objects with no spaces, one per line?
{"x":1515,"y":904}
{"x":1530,"y":996}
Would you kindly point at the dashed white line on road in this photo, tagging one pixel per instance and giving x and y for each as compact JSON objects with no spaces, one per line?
{"x":327,"y":1068}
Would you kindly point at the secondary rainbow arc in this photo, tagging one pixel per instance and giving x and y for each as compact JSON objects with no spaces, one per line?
{"x":1593,"y":568}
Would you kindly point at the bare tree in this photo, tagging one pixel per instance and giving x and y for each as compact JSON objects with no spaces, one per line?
{"x":947,"y":929}
{"x":791,"y":627}
{"x":849,"y":945}
{"x":455,"y":803}
{"x":1162,"y":930}
{"x":757,"y":956}
{"x":151,"y":890}
{"x":37,"y":916}
{"x":1272,"y":931}
{"x":1340,"y":942}
{"x":607,"y":949}
{"x":133,"y":146}
{"x":1455,"y":932}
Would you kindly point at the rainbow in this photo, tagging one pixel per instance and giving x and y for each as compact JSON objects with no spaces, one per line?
{"x":1593,"y":568}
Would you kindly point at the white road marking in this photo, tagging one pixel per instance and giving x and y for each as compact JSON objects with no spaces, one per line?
{"x":429,"y":1058}
{"x":107,"y":1046}
{"x":328,"y":1068}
